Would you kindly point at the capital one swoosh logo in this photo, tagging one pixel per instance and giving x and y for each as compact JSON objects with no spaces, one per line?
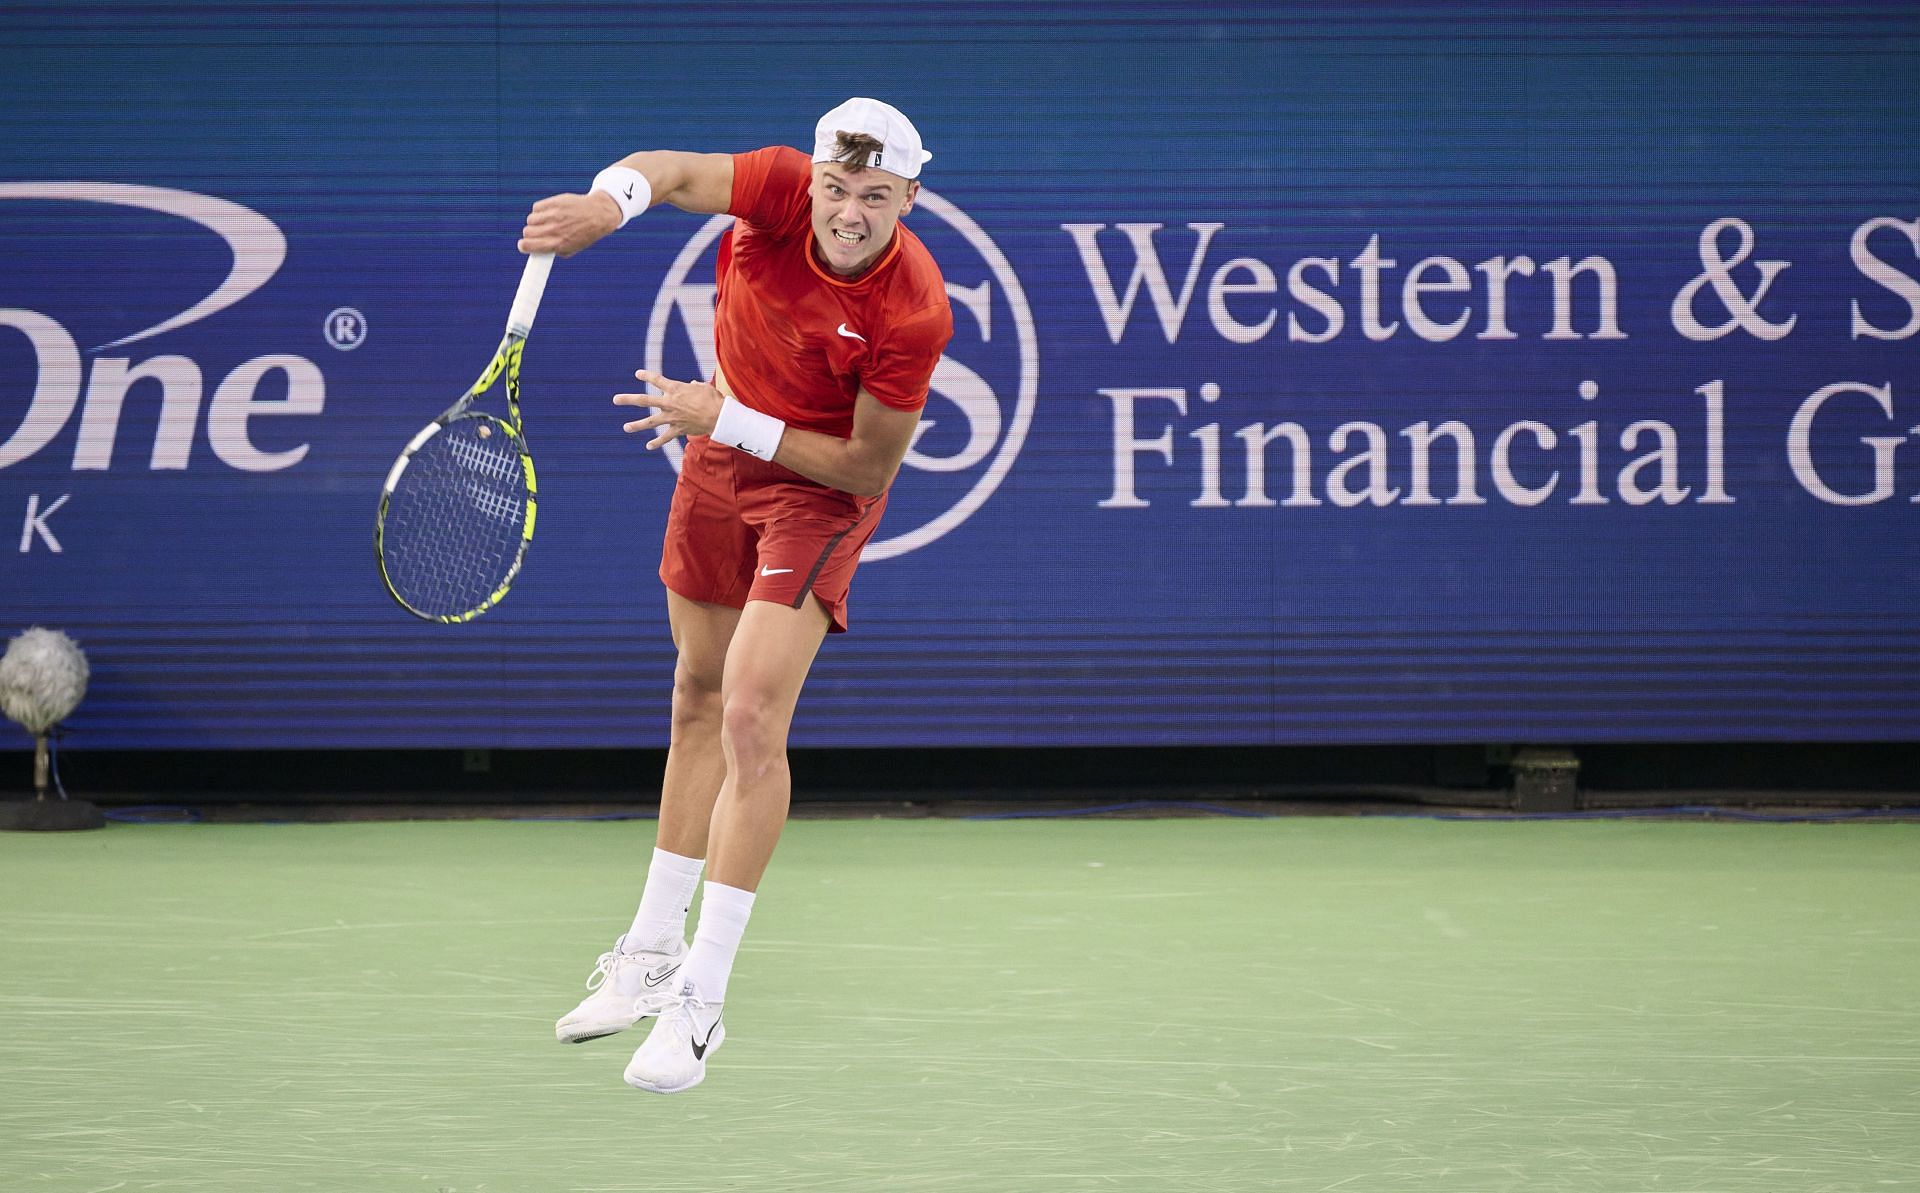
{"x":981,"y":426}
{"x":259,"y":248}
{"x":63,"y":383}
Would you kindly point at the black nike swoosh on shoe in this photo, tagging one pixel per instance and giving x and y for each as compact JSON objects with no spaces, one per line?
{"x":700,"y":1047}
{"x":652,"y":980}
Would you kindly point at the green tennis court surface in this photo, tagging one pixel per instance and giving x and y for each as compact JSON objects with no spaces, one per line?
{"x":1174,"y":1005}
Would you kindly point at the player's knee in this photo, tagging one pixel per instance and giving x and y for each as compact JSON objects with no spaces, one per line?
{"x":756,"y":734}
{"x":696,"y":695}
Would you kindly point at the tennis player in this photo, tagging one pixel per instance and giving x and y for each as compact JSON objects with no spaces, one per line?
{"x":831,"y":317}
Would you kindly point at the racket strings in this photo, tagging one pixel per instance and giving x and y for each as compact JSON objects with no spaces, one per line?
{"x":482,"y":459}
{"x":456,"y":521}
{"x":500,"y":506}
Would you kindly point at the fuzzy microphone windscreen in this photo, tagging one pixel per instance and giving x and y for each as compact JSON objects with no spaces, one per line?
{"x":42,"y":679}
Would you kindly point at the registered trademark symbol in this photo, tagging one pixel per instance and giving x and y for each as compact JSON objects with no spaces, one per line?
{"x":345,"y":329}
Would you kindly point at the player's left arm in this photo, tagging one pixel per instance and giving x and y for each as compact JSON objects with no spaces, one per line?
{"x":863,"y":464}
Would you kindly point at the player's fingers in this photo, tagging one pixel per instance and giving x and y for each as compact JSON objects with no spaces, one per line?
{"x":666,"y":431}
{"x":636,"y":399}
{"x":538,"y":236}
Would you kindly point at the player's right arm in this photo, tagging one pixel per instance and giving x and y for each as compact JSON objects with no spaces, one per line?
{"x":565,"y":224}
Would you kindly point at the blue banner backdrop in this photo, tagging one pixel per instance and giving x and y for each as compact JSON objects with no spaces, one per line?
{"x":1324,"y":373}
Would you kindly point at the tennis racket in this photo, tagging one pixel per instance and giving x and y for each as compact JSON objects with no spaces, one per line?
{"x":456,"y":514}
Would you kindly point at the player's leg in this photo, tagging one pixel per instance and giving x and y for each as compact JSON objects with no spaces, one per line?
{"x":696,"y":758}
{"x":809,"y":540}
{"x":640,"y":974}
{"x":696,"y":766}
{"x":706,"y":562}
{"x":772,"y":650}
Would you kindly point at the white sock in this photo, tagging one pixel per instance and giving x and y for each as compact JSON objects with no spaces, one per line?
{"x":723,"y":920}
{"x":662,"y":917}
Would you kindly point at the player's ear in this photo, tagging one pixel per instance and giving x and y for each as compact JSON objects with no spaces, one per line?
{"x":913,"y":190}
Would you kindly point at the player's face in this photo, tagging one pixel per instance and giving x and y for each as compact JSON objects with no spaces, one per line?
{"x":854,"y":213}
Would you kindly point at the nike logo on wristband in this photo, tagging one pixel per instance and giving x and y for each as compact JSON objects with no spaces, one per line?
{"x":848,"y":332}
{"x":629,"y":190}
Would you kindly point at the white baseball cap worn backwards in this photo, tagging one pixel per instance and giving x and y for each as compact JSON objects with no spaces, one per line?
{"x":899,"y":153}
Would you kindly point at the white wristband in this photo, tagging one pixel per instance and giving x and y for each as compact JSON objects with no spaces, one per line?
{"x":628,"y":187}
{"x":741,"y":426}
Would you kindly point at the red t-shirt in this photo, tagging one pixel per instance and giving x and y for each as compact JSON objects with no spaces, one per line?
{"x":797,"y":340}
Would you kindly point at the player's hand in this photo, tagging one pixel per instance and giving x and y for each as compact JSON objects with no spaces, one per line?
{"x":565,"y":224}
{"x":680,"y":408}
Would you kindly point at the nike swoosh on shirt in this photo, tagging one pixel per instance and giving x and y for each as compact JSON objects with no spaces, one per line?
{"x":767,"y":571}
{"x":848,"y":332}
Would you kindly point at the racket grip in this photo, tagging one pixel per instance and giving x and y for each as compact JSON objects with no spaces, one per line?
{"x":526,"y":301}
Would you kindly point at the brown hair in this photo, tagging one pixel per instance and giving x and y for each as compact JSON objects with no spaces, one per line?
{"x":852,"y":150}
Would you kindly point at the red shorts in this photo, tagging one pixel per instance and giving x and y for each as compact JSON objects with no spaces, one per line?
{"x":742,"y":529}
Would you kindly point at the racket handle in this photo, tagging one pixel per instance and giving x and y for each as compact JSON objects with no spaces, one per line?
{"x":526,"y":301}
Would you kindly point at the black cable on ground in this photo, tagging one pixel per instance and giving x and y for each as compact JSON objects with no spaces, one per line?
{"x":154,"y":814}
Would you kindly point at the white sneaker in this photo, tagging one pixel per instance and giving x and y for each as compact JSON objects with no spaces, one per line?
{"x":627,"y":987}
{"x":674,"y":1055}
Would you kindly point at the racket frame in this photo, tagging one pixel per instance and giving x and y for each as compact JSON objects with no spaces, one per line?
{"x":506,"y":359}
